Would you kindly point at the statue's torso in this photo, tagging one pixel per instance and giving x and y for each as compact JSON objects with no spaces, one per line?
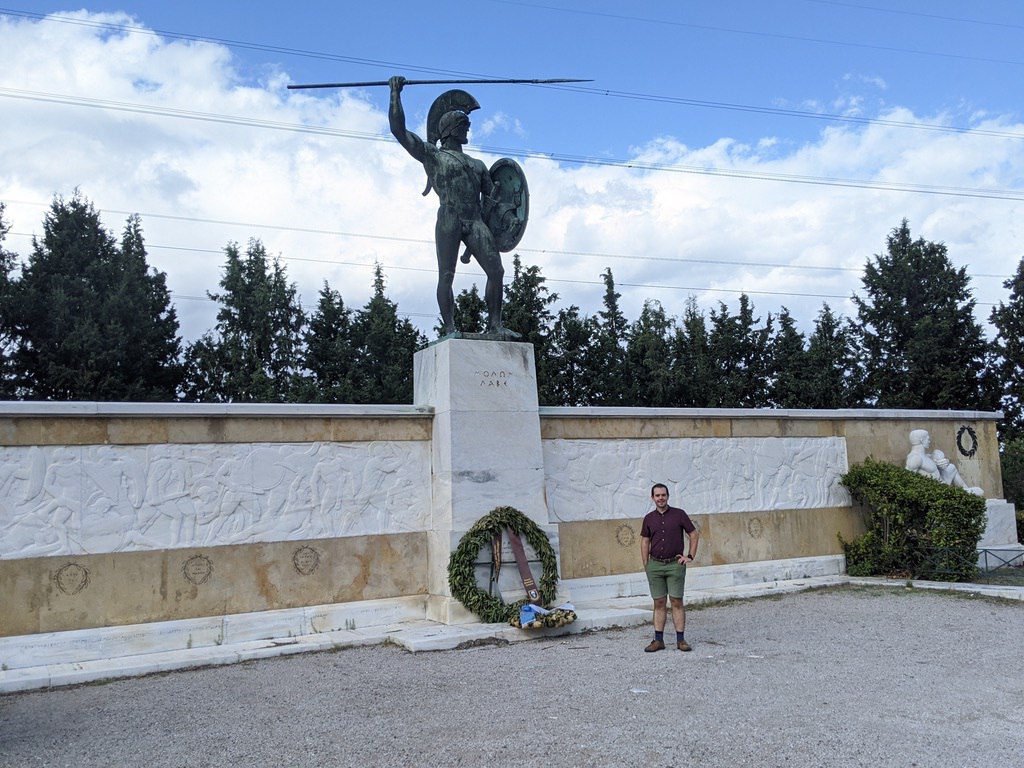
{"x":457,"y":178}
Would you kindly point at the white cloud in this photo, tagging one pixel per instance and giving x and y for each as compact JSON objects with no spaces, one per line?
{"x":327,"y":201}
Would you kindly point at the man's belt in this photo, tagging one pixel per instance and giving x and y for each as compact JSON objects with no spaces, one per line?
{"x":532,"y":594}
{"x":661,"y":560}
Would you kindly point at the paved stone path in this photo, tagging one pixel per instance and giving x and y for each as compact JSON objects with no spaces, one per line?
{"x":855,"y":676}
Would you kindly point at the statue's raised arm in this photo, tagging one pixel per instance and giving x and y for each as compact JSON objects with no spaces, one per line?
{"x":396,"y":117}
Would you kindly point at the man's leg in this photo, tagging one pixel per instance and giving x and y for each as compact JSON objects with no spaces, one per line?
{"x":678,"y":614}
{"x":659,"y":593}
{"x":660,"y":614}
{"x":676,"y":584}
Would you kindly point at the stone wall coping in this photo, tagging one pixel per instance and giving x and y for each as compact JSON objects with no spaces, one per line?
{"x":568,"y":412}
{"x":34,"y":408}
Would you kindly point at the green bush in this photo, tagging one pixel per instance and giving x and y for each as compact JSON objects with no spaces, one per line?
{"x":917,"y":527}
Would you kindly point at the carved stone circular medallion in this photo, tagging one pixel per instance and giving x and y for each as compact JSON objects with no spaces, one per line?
{"x":306,"y":560}
{"x":625,"y":535}
{"x":71,"y":578}
{"x":197,"y":570}
{"x":972,"y":448}
{"x":755,"y":528}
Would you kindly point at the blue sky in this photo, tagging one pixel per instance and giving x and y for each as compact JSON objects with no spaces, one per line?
{"x":767,"y":146}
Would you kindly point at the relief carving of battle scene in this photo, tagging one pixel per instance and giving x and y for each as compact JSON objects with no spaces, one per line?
{"x":611,"y":479}
{"x":58,"y":500}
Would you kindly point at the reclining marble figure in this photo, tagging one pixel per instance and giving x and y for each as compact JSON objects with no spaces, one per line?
{"x":935,"y":464}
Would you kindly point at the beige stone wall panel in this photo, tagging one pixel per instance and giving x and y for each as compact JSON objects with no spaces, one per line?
{"x":52,"y":594}
{"x":610,"y":547}
{"x":196,"y":429}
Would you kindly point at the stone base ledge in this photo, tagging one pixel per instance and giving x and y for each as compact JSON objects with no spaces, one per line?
{"x":603,"y":588}
{"x":420,"y":635}
{"x":84,"y":646}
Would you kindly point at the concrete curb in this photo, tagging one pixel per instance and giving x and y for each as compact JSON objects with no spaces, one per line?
{"x":422,"y":636}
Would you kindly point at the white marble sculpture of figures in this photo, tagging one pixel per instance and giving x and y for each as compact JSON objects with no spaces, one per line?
{"x":935,"y":464}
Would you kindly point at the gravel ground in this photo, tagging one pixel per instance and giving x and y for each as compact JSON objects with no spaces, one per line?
{"x":840,"y":677}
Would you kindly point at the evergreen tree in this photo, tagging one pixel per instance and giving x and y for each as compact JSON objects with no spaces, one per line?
{"x":694,"y":376}
{"x":920,"y":346}
{"x":788,"y":388}
{"x":830,"y":381}
{"x":138,"y":289}
{"x":572,"y":360}
{"x":647,"y":358}
{"x":255,"y":353}
{"x":385,"y":346}
{"x":330,"y":351}
{"x":612,"y":378}
{"x":8,"y":386}
{"x":1008,"y":347}
{"x":739,"y":352}
{"x":470,"y":312}
{"x":92,"y":321}
{"x":527,"y":311}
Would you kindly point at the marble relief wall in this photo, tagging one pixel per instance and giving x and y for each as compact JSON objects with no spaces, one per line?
{"x":611,"y":479}
{"x":64,"y":500}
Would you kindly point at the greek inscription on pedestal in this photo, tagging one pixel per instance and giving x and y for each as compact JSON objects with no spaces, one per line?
{"x":197,"y":570}
{"x":71,"y":578}
{"x":625,"y":535}
{"x":494,"y":379}
{"x":306,"y":560}
{"x":755,"y":528}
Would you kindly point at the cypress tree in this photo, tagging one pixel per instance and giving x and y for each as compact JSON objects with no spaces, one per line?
{"x":1008,"y":347}
{"x":254,"y":354}
{"x":919,"y":344}
{"x":92,"y":321}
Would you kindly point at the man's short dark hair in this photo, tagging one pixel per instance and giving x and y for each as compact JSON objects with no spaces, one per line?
{"x":656,"y":486}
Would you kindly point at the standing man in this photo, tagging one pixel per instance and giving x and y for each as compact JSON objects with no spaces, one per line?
{"x":467,"y":194}
{"x":668,"y":541}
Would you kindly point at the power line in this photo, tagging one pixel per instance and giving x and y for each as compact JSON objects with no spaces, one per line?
{"x":916,"y":14}
{"x":951,"y":191}
{"x":572,"y":281}
{"x":756,"y":33}
{"x":631,"y":95}
{"x":426,"y":242}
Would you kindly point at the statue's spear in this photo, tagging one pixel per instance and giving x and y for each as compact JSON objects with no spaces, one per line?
{"x":370,"y":83}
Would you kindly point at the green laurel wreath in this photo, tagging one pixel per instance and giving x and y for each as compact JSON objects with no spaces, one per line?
{"x":462,"y":577}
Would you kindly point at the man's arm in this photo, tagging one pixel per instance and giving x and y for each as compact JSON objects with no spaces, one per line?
{"x":396,"y":118}
{"x":645,"y":549}
{"x":694,"y":538}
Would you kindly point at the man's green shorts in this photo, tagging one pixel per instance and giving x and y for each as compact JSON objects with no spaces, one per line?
{"x":665,"y":578}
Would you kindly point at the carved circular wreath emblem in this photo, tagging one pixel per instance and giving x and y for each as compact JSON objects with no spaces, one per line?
{"x":968,"y":452}
{"x":625,"y":535}
{"x":462,"y":575}
{"x":306,"y":560}
{"x":197,"y":569}
{"x":71,"y":578}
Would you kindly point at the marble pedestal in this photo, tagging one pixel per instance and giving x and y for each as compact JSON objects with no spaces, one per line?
{"x":999,"y":545}
{"x":486,"y":447}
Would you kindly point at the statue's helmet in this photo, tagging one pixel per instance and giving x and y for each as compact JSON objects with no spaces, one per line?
{"x":449,"y":120}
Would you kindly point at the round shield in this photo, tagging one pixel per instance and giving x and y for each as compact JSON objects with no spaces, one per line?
{"x":455,"y":99}
{"x":507,"y":217}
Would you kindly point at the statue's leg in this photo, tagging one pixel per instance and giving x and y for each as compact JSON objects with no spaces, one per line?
{"x":481,"y":243}
{"x":447,"y":238}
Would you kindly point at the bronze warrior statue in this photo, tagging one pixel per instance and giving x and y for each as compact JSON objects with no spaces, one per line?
{"x":484,"y":209}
